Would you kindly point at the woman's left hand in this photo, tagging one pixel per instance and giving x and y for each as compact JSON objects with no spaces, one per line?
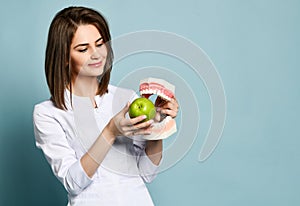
{"x":169,"y":108}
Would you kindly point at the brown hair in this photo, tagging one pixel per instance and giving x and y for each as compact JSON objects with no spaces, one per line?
{"x":61,"y":33}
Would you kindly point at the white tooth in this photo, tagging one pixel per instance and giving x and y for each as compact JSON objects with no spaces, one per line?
{"x":168,"y":98}
{"x":161,"y":94}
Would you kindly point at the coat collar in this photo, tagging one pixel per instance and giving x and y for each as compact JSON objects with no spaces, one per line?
{"x":68,"y":102}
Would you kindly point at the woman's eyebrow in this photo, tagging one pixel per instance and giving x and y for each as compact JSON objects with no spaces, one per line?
{"x":86,"y":44}
{"x":83,"y":44}
{"x":98,"y":39}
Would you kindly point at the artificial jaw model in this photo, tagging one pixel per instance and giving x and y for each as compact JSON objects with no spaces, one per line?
{"x":163,"y":89}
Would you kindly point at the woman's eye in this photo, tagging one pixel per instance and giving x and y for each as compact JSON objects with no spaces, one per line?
{"x":99,"y":45}
{"x":82,"y":50}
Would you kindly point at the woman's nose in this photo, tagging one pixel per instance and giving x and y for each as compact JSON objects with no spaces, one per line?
{"x":96,"y":54}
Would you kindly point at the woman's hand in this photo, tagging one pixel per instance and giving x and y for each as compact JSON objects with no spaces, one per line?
{"x":119,"y":125}
{"x":164,"y":107}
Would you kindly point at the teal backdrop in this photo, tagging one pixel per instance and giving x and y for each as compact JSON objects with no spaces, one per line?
{"x":255,"y":48}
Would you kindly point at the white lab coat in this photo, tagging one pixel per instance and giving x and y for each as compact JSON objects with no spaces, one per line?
{"x":120,"y":178}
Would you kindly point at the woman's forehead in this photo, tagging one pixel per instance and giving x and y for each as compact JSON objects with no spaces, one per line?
{"x":86,"y":34}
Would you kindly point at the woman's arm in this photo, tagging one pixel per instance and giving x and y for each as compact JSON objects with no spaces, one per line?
{"x":51,"y":138}
{"x":154,"y":147}
{"x":92,"y":159}
{"x":118,"y":125}
{"x":154,"y":150}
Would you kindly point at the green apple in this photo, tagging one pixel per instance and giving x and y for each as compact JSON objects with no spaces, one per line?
{"x":142,"y":106}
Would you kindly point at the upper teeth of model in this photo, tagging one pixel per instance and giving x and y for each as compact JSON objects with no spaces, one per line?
{"x":157,"y":86}
{"x":159,"y":93}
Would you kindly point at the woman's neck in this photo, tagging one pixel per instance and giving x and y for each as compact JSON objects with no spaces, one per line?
{"x":85,"y":87}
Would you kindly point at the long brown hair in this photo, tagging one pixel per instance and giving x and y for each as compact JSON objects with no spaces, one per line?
{"x":61,"y":33}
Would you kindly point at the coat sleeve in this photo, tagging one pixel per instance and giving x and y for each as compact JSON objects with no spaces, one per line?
{"x":51,"y":139}
{"x":148,"y":170}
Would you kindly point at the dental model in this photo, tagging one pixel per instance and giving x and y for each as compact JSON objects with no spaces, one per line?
{"x":167,"y":125}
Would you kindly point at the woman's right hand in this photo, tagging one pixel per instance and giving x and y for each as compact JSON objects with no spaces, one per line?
{"x":120,"y":125}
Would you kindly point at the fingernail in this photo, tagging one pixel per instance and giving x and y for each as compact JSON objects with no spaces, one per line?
{"x":144,"y":116}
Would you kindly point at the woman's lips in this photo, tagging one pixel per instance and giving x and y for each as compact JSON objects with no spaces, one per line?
{"x":97,"y":64}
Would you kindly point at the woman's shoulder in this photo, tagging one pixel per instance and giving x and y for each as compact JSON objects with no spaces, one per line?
{"x":43,"y":107}
{"x":44,"y":104}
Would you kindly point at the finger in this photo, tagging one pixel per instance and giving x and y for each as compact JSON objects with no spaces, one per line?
{"x":170,"y":106}
{"x":157,"y":117}
{"x":136,"y":120}
{"x":174,"y":102}
{"x":125,"y":108}
{"x":169,"y":112}
{"x":143,"y":125}
{"x":120,"y":117}
{"x":134,"y":127}
{"x":140,"y":128}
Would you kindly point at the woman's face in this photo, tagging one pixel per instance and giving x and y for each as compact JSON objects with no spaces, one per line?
{"x":87,"y":53}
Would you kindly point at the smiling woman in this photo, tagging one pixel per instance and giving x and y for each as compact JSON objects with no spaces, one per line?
{"x":82,"y":149}
{"x":93,"y":52}
{"x":87,"y":59}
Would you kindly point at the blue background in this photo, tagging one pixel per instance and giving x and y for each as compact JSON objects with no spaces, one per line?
{"x":255,"y":47}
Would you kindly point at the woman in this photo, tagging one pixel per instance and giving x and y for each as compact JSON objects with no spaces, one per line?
{"x":112,"y":169}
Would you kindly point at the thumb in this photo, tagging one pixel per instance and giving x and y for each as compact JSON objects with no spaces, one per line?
{"x":126,"y":108}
